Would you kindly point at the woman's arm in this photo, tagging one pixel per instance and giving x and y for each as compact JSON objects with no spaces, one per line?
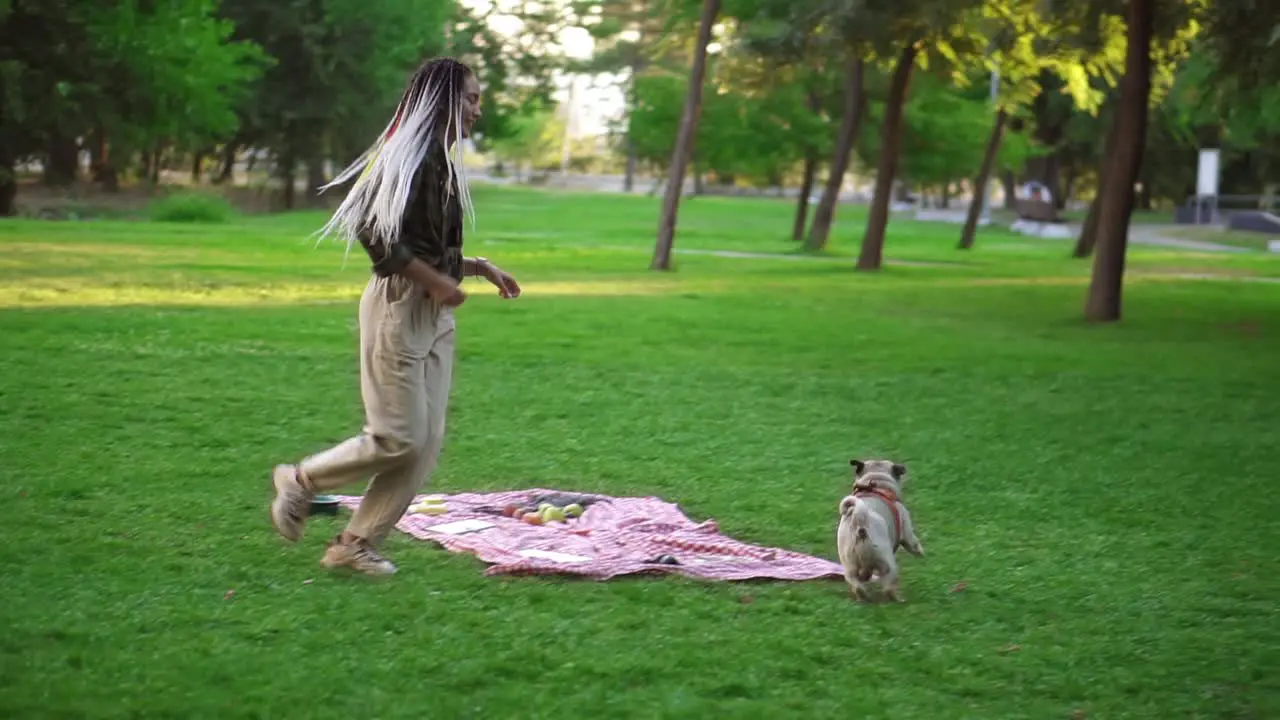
{"x":481,"y":267}
{"x":476,"y":267}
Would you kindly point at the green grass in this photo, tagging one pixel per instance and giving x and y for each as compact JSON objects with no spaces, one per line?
{"x":1106,"y":492}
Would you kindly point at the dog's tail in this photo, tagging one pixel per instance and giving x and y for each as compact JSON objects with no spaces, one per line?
{"x":847,"y":505}
{"x":860,"y":515}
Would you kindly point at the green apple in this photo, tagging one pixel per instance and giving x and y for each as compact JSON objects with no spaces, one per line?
{"x":573,"y":510}
{"x":553,"y":514}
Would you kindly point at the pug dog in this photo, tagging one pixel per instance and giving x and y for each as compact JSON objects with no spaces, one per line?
{"x":874,"y":522}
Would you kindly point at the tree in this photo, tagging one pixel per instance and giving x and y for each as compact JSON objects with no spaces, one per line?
{"x":1050,"y":63}
{"x":339,"y":67}
{"x":128,"y":74}
{"x":853,"y":110}
{"x":870,"y":256}
{"x":1155,"y":42}
{"x":942,"y":37}
{"x":532,"y":138}
{"x":811,"y":155}
{"x":626,"y":34}
{"x":684,"y":140}
{"x":944,"y":132}
{"x":655,"y":119}
{"x":1116,"y":204}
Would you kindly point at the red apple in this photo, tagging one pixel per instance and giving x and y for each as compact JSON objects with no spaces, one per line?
{"x":532,"y":518}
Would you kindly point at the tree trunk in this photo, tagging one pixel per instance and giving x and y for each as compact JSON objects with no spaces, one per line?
{"x":154,"y":164}
{"x":636,"y":65}
{"x":806,"y":182}
{"x":61,"y":160}
{"x":806,"y":189}
{"x":1068,"y":186}
{"x":980,"y":183}
{"x":944,"y":198}
{"x":228,"y":163}
{"x":629,"y":182}
{"x":1104,"y":298}
{"x":286,"y":171}
{"x":1144,"y":195}
{"x":290,"y":188}
{"x":872,"y":252}
{"x":197,"y":165}
{"x":8,"y":192}
{"x":8,"y":181}
{"x":1089,"y":231}
{"x":684,"y":140}
{"x":849,"y":124}
{"x":110,"y":177}
{"x":1009,"y":183}
{"x":97,"y":153}
{"x":103,"y":168}
{"x":315,"y":179}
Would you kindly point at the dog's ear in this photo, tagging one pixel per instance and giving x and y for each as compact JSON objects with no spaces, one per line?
{"x":858,"y":465}
{"x":899,"y":471}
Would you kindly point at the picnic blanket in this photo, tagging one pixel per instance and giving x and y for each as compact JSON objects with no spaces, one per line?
{"x":615,"y":536}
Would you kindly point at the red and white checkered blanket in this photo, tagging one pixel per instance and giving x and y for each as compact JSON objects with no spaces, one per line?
{"x":615,"y":536}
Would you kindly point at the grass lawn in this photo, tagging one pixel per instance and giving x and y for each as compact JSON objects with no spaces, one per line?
{"x":1106,"y":493}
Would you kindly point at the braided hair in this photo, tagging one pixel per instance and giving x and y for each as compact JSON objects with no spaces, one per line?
{"x":430,"y":108}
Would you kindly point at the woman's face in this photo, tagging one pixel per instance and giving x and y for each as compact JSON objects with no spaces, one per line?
{"x":470,"y":104}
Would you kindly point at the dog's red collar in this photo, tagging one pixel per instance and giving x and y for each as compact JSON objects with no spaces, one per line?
{"x":890,"y":499}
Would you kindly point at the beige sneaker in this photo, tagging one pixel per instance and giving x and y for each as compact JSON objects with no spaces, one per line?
{"x":358,"y":556}
{"x":292,"y":502}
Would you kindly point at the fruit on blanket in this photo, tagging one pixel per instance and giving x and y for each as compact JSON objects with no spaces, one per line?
{"x":542,"y":507}
{"x":510,"y":510}
{"x":531,"y":518}
{"x":552,"y":514}
{"x":573,"y":510}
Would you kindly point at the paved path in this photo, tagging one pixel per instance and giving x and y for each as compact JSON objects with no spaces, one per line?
{"x":1151,"y":235}
{"x":780,"y":256}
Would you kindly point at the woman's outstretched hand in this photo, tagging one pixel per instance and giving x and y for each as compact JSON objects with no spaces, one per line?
{"x":501,"y":279}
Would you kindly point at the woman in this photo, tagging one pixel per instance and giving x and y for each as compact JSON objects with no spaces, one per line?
{"x":406,"y":210}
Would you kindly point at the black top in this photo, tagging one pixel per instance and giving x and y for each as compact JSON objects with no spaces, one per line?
{"x":431,"y":228}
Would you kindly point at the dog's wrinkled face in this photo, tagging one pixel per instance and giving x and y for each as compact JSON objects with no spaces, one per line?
{"x":878,"y":473}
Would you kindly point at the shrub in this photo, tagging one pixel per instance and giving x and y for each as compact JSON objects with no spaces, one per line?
{"x":191,"y":207}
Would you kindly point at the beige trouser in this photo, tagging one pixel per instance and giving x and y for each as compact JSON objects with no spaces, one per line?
{"x":406,"y":363}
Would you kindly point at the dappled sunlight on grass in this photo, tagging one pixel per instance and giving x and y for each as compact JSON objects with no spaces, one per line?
{"x":68,"y":294}
{"x":37,"y":293}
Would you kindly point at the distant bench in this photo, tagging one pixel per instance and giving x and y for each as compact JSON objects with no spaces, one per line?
{"x":1037,"y":211}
